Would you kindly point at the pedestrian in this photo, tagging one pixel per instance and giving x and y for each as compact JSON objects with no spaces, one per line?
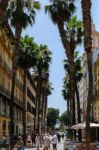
{"x":15,"y":138}
{"x":4,"y":140}
{"x":37,"y":141}
{"x":54,"y":142}
{"x":63,"y":136}
{"x":46,"y":140}
{"x":41,"y":140}
{"x":7,"y":142}
{"x":58,"y":136}
{"x":33,"y":140}
{"x":29,"y":141}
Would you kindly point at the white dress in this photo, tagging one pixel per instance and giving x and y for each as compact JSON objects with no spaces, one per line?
{"x":46,"y":142}
{"x":37,"y":140}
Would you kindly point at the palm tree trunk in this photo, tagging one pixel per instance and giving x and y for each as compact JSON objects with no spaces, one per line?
{"x":69,"y":116}
{"x":69,"y":49}
{"x":86,"y":10}
{"x":38,"y":98}
{"x":68,"y":111}
{"x":42,"y":116}
{"x":24,"y":104}
{"x":14,"y":68}
{"x":35,"y":118}
{"x":78,"y":111}
{"x":3,"y":7}
{"x":90,"y":98}
{"x":12,"y":110}
{"x":45,"y":113}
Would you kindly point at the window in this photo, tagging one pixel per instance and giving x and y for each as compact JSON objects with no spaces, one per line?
{"x":8,"y":87}
{"x":3,"y":107}
{"x":9,"y":127}
{"x":4,"y":127}
{"x":7,"y":109}
{"x":0,"y":105}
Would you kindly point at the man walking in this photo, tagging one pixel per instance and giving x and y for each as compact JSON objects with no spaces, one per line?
{"x":54,"y":142}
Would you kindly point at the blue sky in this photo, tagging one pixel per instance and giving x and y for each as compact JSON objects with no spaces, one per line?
{"x":46,"y":33}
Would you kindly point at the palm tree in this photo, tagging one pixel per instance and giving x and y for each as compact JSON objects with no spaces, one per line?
{"x":21,"y":14}
{"x":66,"y":94}
{"x":42,"y":66}
{"x":78,"y":76}
{"x":3,"y":11}
{"x":86,"y":10}
{"x":26,"y":61}
{"x":47,"y":90}
{"x":70,"y":30}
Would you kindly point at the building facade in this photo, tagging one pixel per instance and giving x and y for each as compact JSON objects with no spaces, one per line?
{"x":83,"y":84}
{"x":30,"y":104}
{"x":96,"y":92}
{"x":6,"y":54}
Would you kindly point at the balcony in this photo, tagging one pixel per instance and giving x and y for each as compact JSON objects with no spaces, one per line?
{"x":18,"y":102}
{"x":5,"y":92}
{"x":30,"y":95}
{"x":97,"y":94}
{"x":19,"y":83}
{"x":30,"y":108}
{"x":5,"y":66}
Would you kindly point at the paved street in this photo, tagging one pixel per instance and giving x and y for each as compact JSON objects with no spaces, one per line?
{"x":60,"y":146}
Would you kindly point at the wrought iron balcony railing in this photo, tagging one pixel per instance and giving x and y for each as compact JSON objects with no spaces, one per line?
{"x":30,"y":95}
{"x":97,"y":93}
{"x":18,"y":82}
{"x":18,"y":102}
{"x":5,"y":66}
{"x":5,"y":92}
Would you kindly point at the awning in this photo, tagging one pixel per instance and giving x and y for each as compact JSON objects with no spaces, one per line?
{"x":83,"y":125}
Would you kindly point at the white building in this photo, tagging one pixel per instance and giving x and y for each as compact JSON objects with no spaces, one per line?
{"x":83,"y":84}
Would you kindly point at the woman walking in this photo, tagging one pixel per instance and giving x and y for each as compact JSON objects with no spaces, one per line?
{"x":46,"y":141}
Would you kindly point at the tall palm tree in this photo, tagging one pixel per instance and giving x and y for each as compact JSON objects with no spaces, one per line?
{"x":66,"y":95}
{"x":47,"y":89}
{"x":3,"y":11}
{"x":21,"y":14}
{"x":26,"y":61}
{"x":42,"y":66}
{"x":70,"y":30}
{"x":78,"y":76}
{"x":86,"y":11}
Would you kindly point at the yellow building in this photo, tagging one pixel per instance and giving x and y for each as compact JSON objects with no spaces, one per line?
{"x":6,"y":48}
{"x":96,"y":91}
{"x":6,"y":54}
{"x":30,"y":104}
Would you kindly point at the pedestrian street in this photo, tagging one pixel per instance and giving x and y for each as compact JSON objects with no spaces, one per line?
{"x":60,"y":146}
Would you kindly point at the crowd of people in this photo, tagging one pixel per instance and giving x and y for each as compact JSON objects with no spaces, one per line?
{"x":39,"y":141}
